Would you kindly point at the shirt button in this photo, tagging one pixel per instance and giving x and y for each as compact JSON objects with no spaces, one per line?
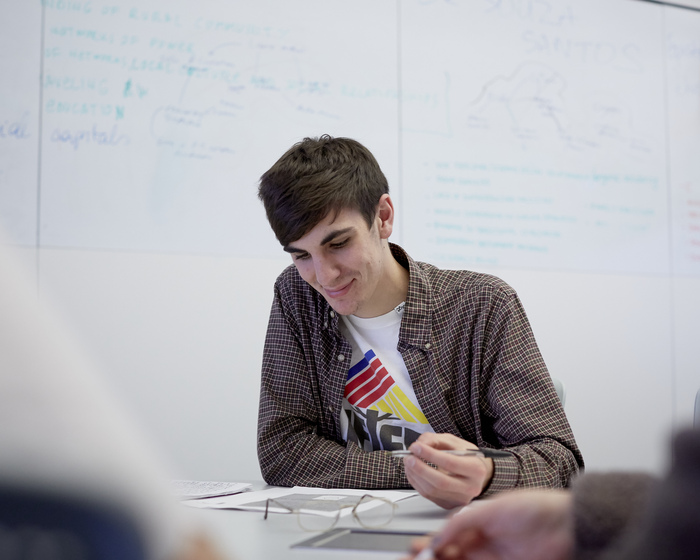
{"x":427,"y":345}
{"x":332,"y":314}
{"x":341,"y":358}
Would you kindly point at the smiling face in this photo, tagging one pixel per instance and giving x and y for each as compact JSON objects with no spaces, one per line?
{"x":351,"y":265}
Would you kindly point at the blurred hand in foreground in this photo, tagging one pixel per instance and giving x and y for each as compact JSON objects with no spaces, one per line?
{"x":516,"y":525}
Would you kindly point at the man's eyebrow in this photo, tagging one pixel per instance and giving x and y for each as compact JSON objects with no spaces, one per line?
{"x":330,"y":237}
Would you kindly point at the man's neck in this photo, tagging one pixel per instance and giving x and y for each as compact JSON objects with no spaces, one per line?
{"x":393,"y":288}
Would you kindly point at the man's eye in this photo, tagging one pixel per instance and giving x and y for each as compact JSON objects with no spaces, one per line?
{"x":301,"y":256}
{"x":340,"y":244}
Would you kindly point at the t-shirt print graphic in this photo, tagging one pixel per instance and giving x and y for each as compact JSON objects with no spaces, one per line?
{"x":380,"y":414}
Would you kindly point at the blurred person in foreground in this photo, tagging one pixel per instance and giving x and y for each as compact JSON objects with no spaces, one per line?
{"x":65,"y":440}
{"x":604,"y":516}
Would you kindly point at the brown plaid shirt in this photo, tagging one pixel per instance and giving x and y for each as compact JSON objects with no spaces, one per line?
{"x":475,"y":367}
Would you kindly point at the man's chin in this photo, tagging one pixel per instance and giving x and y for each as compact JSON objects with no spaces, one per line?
{"x":342,"y":308}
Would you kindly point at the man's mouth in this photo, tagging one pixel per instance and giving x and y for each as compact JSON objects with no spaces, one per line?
{"x":338,"y":292}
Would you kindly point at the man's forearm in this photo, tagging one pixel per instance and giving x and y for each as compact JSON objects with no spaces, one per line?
{"x":305,"y":459}
{"x":545,"y":464}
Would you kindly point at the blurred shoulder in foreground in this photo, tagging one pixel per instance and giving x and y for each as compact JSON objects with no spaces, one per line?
{"x":73,"y":467}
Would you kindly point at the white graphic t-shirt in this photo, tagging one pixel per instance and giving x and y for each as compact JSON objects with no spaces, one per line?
{"x":380,"y":408}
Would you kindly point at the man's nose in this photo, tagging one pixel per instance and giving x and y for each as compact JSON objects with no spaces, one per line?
{"x":327,"y":271}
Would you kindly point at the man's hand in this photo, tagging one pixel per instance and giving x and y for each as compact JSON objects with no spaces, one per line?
{"x":515,"y":525}
{"x":457,"y":480}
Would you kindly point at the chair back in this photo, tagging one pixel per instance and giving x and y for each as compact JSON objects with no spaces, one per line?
{"x":560,"y":389}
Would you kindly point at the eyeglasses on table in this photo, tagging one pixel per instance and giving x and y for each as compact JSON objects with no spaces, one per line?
{"x":320,"y":515}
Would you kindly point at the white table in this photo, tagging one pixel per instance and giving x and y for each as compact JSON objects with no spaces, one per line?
{"x":245,"y":535}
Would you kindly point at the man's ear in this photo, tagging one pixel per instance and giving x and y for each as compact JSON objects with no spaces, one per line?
{"x":385,"y":215}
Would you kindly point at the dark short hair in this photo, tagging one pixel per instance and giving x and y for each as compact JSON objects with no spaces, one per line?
{"x":318,"y":176}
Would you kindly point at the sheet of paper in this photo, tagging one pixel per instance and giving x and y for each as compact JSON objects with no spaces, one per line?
{"x":255,"y":501}
{"x":197,"y":489}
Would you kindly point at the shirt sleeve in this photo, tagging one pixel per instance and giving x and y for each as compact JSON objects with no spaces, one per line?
{"x":298,"y":439}
{"x":519,"y":408}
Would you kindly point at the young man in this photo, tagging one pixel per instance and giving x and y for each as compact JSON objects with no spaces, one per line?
{"x":368,"y":351}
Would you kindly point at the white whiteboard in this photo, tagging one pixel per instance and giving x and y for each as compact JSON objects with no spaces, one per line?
{"x":546,"y":147}
{"x":547,"y":134}
{"x":160,"y":117}
{"x":20,"y":63}
{"x":683,"y":70}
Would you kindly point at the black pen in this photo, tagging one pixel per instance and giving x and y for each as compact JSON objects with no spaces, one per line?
{"x":485,"y":451}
